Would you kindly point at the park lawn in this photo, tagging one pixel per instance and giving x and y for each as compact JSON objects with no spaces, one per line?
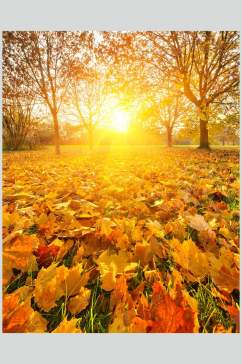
{"x":121,"y":239}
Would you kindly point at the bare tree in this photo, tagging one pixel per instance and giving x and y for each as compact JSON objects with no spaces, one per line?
{"x":44,"y":62}
{"x":171,"y":108}
{"x":205,"y":63}
{"x":17,"y":122}
{"x":86,"y":103}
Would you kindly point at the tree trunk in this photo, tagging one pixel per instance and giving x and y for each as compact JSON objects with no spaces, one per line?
{"x":90,"y":138}
{"x":204,"y":127}
{"x":169,"y":136}
{"x":56,"y":133}
{"x":204,"y":134}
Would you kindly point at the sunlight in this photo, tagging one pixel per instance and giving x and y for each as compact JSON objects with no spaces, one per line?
{"x":120,"y":121}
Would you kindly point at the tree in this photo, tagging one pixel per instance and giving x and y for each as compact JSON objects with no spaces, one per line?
{"x":172,"y":109}
{"x":17,"y":122}
{"x":224,"y":126}
{"x":44,"y":63}
{"x":87,"y":97}
{"x":205,"y":63}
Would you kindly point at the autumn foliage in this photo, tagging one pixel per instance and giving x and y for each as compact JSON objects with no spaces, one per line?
{"x":126,"y":240}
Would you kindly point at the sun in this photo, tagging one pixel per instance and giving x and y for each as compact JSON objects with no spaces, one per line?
{"x":120,"y":121}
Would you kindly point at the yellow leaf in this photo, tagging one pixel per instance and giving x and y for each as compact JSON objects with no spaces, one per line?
{"x":10,"y":219}
{"x":108,"y":280}
{"x":118,"y":262}
{"x":143,"y":252}
{"x":18,"y":255}
{"x":50,"y":286}
{"x":225,"y":270}
{"x":118,"y":326}
{"x":106,"y":226}
{"x":79,"y":302}
{"x":20,"y":196}
{"x":111,"y":265}
{"x":190,"y":257}
{"x":67,"y":327}
{"x":37,"y":323}
{"x":72,"y":281}
{"x":64,"y":246}
{"x":225,"y":232}
{"x":18,"y":315}
{"x":155,"y":228}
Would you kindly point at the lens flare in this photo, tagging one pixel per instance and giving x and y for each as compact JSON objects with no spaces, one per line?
{"x":120,"y":121}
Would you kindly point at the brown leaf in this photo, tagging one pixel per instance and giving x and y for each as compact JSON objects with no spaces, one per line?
{"x":197,"y":222}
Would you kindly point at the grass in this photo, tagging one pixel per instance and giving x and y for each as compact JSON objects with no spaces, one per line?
{"x":55,"y":315}
{"x":33,"y":229}
{"x":145,"y":172}
{"x":67,"y":261}
{"x":164,"y":265}
{"x":191,"y":234}
{"x":84,"y":149}
{"x":137,"y":278}
{"x":233,"y":201}
{"x":96,"y":317}
{"x":210,"y":313}
{"x":19,"y":281}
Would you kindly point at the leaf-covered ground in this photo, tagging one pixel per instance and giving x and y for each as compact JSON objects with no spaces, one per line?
{"x":128,"y":240}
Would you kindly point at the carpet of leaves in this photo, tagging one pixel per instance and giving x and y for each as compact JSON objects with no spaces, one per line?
{"x":123,"y":240}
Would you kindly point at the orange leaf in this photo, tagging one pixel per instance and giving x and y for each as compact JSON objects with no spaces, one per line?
{"x":67,"y":327}
{"x":79,"y":302}
{"x":167,"y":315}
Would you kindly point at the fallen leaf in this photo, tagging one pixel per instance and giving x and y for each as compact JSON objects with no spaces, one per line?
{"x":67,"y":327}
{"x":79,"y":302}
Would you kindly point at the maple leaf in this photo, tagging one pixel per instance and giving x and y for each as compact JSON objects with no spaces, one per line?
{"x":20,"y":196}
{"x":67,"y":327}
{"x":234,"y":313}
{"x":79,"y":255}
{"x":155,"y":228}
{"x":143,"y":308}
{"x":10,"y":219}
{"x":224,"y":270}
{"x":143,"y":252}
{"x":106,"y":226}
{"x":72,"y":282}
{"x":191,"y":258}
{"x":111,"y":265}
{"x":54,"y":282}
{"x":120,"y":292}
{"x":46,"y":254}
{"x":139,"y":325}
{"x":79,"y":302}
{"x":108,"y":280}
{"x":18,"y":315}
{"x":18,"y":255}
{"x":158,"y":247}
{"x":122,"y":241}
{"x":207,"y":240}
{"x":197,"y":222}
{"x":64,"y":247}
{"x":176,"y":229}
{"x":118,"y":325}
{"x":225,"y":232}
{"x":36,"y":323}
{"x":49,"y":286}
{"x":168,"y":314}
{"x":112,"y":213}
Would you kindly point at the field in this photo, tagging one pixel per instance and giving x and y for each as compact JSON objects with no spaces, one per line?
{"x":125,"y":239}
